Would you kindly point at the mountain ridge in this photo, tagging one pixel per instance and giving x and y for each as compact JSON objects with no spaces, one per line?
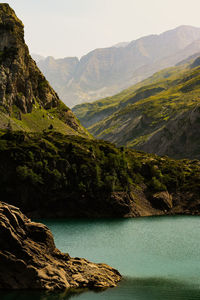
{"x":106,"y":71}
{"x":158,"y":115}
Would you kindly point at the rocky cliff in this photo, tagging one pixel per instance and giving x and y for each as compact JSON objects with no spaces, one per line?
{"x":27,"y":101}
{"x":30,"y":260}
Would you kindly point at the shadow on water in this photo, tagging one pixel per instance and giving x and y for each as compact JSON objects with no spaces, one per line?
{"x":128,"y":289}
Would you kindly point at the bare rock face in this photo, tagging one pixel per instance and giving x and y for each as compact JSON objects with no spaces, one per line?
{"x":30,"y":260}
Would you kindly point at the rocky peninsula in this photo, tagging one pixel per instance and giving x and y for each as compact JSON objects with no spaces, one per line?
{"x":30,"y":259}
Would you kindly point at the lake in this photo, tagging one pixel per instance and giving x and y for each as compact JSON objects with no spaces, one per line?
{"x":159,"y":257}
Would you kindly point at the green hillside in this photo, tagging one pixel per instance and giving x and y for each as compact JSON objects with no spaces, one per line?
{"x":54,"y":175}
{"x":51,"y":167}
{"x":136,"y":116}
{"x":89,"y":112}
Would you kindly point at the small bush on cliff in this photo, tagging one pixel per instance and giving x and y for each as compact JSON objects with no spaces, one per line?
{"x":156,"y":185}
{"x":27,"y":174}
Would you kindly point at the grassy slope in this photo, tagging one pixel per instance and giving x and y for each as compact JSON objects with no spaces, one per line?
{"x":38,"y":120}
{"x":144,"y":109}
{"x":105,"y":107}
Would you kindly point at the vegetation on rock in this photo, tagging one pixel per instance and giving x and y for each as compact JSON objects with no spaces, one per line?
{"x":50,"y":174}
{"x":49,"y":166}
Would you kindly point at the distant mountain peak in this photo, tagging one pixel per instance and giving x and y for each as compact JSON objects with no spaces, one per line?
{"x":121,"y":45}
{"x":106,"y":71}
{"x":37,"y":57}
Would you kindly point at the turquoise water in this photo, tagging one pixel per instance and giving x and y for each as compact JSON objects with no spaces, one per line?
{"x":159,"y":257}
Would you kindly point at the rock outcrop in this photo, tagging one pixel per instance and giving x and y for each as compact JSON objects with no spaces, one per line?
{"x":162,"y":200}
{"x":30,"y":260}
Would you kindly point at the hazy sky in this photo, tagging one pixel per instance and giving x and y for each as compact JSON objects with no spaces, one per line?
{"x":75,"y":27}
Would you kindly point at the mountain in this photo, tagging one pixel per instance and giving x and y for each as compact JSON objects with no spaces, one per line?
{"x":121,"y":45}
{"x":59,"y":72}
{"x":159,"y":115}
{"x":188,"y":59}
{"x":27,"y":101}
{"x":51,"y":167}
{"x":104,"y":72}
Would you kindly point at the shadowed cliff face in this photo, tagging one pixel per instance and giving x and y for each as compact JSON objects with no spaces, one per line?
{"x":30,"y":260}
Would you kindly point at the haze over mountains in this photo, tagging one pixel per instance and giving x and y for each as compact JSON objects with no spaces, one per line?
{"x":104,"y":72}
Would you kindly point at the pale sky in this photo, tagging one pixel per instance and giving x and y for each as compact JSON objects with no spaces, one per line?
{"x":63,"y":28}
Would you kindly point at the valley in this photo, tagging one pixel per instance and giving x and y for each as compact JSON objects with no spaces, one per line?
{"x":158,"y":115}
{"x":91,"y":174}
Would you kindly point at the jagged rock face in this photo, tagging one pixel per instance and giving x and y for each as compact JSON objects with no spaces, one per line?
{"x":30,"y":260}
{"x":21,"y":82}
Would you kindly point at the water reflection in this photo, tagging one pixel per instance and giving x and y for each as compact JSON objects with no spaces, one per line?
{"x":129,"y":289}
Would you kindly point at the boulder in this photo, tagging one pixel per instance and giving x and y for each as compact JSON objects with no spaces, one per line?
{"x":162,"y":200}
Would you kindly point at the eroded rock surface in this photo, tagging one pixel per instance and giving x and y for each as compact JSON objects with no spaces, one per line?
{"x":30,"y":260}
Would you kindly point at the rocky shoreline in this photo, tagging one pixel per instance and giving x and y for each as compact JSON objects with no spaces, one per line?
{"x":30,"y":259}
